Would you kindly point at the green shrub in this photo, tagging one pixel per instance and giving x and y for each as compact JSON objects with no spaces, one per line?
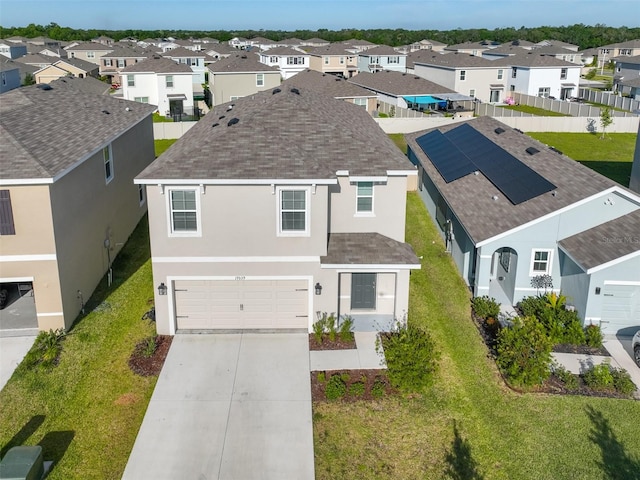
{"x":331,"y":328}
{"x":622,"y":381}
{"x":336,"y":388}
{"x":599,"y":377}
{"x":321,"y":377}
{"x":532,"y":306}
{"x":593,"y":336}
{"x":346,"y":329}
{"x":568,"y":379}
{"x":573,"y":331}
{"x":486,"y":307}
{"x":357,"y":389}
{"x":378,"y":389}
{"x":318,"y":328}
{"x":46,"y":349}
{"x":150,"y":345}
{"x":524,"y":352}
{"x":411,"y":358}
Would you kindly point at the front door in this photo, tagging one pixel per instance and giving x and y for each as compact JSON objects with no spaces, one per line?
{"x":363,"y":291}
{"x":495,"y":96}
{"x":176,"y":108}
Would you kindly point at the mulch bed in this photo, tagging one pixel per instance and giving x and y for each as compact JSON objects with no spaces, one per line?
{"x":368,"y":377}
{"x":150,"y":366}
{"x":581,"y":349}
{"x":327,"y":344}
{"x":555,"y":386}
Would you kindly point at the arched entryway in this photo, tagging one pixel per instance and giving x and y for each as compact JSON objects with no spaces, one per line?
{"x":504,"y":265}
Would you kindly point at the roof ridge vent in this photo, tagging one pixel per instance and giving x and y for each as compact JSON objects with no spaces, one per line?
{"x":233,"y":121}
{"x":45,"y":86}
{"x":554,"y":149}
{"x":275,"y":90}
{"x":295,"y":90}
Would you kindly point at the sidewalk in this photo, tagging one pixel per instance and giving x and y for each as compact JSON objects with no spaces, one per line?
{"x":364,"y":356}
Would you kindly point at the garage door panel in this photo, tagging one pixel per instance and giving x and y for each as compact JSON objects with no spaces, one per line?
{"x":620,"y":307}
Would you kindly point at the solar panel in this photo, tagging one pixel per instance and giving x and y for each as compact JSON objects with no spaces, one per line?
{"x":450,"y":162}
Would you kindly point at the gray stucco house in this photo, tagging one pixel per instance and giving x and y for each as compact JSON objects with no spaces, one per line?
{"x":274,"y":209}
{"x":511,"y":209}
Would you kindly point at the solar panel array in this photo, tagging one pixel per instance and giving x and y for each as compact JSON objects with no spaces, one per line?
{"x":463,"y":150}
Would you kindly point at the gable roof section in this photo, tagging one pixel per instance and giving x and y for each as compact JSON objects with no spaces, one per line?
{"x":380,"y":50}
{"x":284,"y":51}
{"x":87,"y":85}
{"x":126,"y":52}
{"x":397,"y":83}
{"x":365,"y":249}
{"x":157,"y":64}
{"x":471,"y":197}
{"x":328,"y":84}
{"x":76,"y":62}
{"x":279,"y":134}
{"x":241,"y":63}
{"x":605,"y":243}
{"x":90,"y":47}
{"x":43,"y":132}
{"x":182,"y":52}
{"x":333,"y":49}
{"x":455,"y":60}
{"x":533,"y":59}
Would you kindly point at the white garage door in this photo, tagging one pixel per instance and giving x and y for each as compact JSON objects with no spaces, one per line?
{"x":620,"y":307}
{"x":241,"y":304}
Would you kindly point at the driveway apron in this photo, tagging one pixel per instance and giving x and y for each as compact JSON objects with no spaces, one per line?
{"x":229,"y":406}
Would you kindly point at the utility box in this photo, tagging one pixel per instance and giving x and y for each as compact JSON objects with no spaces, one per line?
{"x":22,"y":463}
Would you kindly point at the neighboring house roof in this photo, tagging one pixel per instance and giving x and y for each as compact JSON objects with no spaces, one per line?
{"x":606,"y":242}
{"x":157,"y":64}
{"x":241,"y":63}
{"x":632,"y":82}
{"x":455,"y":60}
{"x":397,"y":83}
{"x":518,"y":43}
{"x":379,"y":50}
{"x":86,"y":85}
{"x":624,"y":59}
{"x":291,"y":42}
{"x":90,"y":47}
{"x":36,"y":59}
{"x":182,"y":52}
{"x":328,"y":84}
{"x":78,"y":63}
{"x":471,"y":197}
{"x":419,"y":56}
{"x":45,"y":130}
{"x":315,"y":40}
{"x":222,"y":49}
{"x":365,"y":249}
{"x":557,"y":43}
{"x":283,"y":51}
{"x":125,"y":52}
{"x":483,"y":44}
{"x":283,"y":133}
{"x":628,"y":44}
{"x":356,"y":42}
{"x":505,"y":50}
{"x":8,"y":64}
{"x":533,"y":59}
{"x":556,"y":50}
{"x":332,"y":49}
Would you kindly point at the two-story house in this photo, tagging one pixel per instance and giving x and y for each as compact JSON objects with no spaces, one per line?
{"x":89,"y":51}
{"x":626,"y":77}
{"x":66,"y":67}
{"x":67,"y":198}
{"x":162,"y":82}
{"x":381,"y":57}
{"x":472,"y":48}
{"x":9,"y":76}
{"x":258,"y":221}
{"x":12,"y":49}
{"x":240,"y":75}
{"x":512,"y":211}
{"x":334,"y":59}
{"x":112,"y":63}
{"x":194,"y":59}
{"x":288,"y":60}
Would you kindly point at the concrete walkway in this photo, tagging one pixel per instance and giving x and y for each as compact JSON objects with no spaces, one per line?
{"x":364,"y":356}
{"x":12,"y":351}
{"x":229,"y":406}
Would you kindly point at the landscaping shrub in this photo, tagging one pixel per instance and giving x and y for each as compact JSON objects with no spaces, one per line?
{"x":321,"y":377}
{"x":378,"y":389}
{"x":568,"y":379}
{"x":411,"y":358}
{"x":346,"y":329}
{"x":532,"y":306}
{"x":573,"y":332}
{"x":150,"y":345}
{"x":599,"y":377}
{"x":336,"y":387}
{"x":524,"y":352}
{"x":622,"y":381}
{"x":485,"y":307}
{"x":357,"y":389}
{"x":326,"y":324}
{"x":593,"y":336}
{"x":318,"y":328}
{"x":46,"y":349}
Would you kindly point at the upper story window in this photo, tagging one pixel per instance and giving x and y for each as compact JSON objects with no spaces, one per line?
{"x":563,"y":74}
{"x":293,"y":211}
{"x":500,"y":74}
{"x":463,"y":74}
{"x":295,"y":60}
{"x":108,"y":163}
{"x":131,"y":82}
{"x":472,"y":93}
{"x":121,"y":63}
{"x":169,"y":81}
{"x":259,"y":79}
{"x":360,"y":101}
{"x":273,"y":59}
{"x":326,"y":60}
{"x":91,"y":54}
{"x":364,"y":197}
{"x":184,"y":209}
{"x":107,"y":62}
{"x":394,"y":59}
{"x":341,"y":60}
{"x":541,"y":262}
{"x":7,"y":226}
{"x":514,"y":72}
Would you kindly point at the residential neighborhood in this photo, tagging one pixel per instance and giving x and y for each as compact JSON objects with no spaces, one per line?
{"x":319,"y":253}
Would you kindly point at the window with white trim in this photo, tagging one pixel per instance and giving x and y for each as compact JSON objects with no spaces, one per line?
{"x":541,"y":262}
{"x":514,"y":72}
{"x":472,"y":93}
{"x":463,"y":74}
{"x":360,"y":101}
{"x":183,"y":212}
{"x":169,"y":81}
{"x":121,"y":63}
{"x":364,"y":197}
{"x":259,"y":79}
{"x":131,"y":82}
{"x":141,"y":99}
{"x":394,"y":60}
{"x":326,"y":60}
{"x":563,"y":74}
{"x":107,"y":62}
{"x":544,"y":92}
{"x":500,"y":74}
{"x":91,"y":54}
{"x":108,"y":163}
{"x":293,"y":211}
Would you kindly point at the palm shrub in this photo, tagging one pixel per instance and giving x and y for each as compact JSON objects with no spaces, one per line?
{"x":46,"y":349}
{"x":346,"y":329}
{"x":524,"y":352}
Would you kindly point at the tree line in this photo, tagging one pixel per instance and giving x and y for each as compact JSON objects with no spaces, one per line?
{"x":585,"y":36}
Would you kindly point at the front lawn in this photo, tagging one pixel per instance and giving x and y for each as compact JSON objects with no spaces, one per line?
{"x":611,"y":156}
{"x":469,"y":425}
{"x":541,"y":112}
{"x":162,"y":145}
{"x":86,"y":412}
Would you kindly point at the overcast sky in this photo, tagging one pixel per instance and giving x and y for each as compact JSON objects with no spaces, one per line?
{"x":315,"y":14}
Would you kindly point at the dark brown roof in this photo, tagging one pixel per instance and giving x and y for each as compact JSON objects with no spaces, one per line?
{"x":280,"y":134}
{"x":606,"y":242}
{"x":240,"y":63}
{"x":328,"y":84}
{"x":367,"y":249}
{"x":157,"y":64}
{"x":397,"y":83}
{"x":471,"y":197}
{"x":45,"y":131}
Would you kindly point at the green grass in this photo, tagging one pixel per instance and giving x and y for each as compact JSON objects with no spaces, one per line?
{"x":469,"y":425}
{"x":157,"y":118}
{"x":162,"y":145}
{"x":611,"y":156}
{"x":399,"y":140}
{"x":541,"y":112}
{"x":86,"y":412}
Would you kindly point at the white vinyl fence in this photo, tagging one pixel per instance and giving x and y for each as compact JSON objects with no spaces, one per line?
{"x":168,"y":130}
{"x":606,"y":98}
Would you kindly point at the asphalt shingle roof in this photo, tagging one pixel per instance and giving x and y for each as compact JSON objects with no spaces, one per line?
{"x":157,"y":64}
{"x":43,"y":132}
{"x":126,"y":52}
{"x":471,"y":197}
{"x":606,"y":242}
{"x":86,"y":84}
{"x":332,"y":49}
{"x":532,"y":59}
{"x":380,"y":50}
{"x":397,"y":83}
{"x":455,"y":60}
{"x":328,"y":84}
{"x":78,"y":63}
{"x":182,"y":52}
{"x":90,"y":47}
{"x":367,"y":249}
{"x":280,"y":135}
{"x":241,"y":62}
{"x":283,"y":51}
{"x":623,"y":59}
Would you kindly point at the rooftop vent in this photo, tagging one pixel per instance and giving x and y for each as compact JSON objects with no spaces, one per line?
{"x":233,"y":121}
{"x":518,"y":130}
{"x":215,"y":125}
{"x":499,"y":130}
{"x":243,"y":56}
{"x":296,"y":91}
{"x":277,"y":90}
{"x":554,"y":149}
{"x":532,"y":150}
{"x":417,"y":78}
{"x":221,"y":117}
{"x":106,"y":112}
{"x":45,"y":86}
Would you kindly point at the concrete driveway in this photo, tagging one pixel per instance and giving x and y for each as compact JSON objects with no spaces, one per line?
{"x":12,"y":351}
{"x":229,"y":406}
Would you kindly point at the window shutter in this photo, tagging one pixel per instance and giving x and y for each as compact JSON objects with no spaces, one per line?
{"x":6,"y":214}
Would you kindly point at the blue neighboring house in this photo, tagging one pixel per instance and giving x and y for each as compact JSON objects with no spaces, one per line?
{"x":381,"y":58}
{"x":512,"y":210}
{"x":9,"y":77}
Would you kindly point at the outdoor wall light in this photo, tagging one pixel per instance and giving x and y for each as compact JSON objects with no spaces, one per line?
{"x":597,"y":290}
{"x":162,"y":289}
{"x":318,"y":288}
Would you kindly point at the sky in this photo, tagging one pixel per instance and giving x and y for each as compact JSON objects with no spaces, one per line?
{"x":315,"y":14}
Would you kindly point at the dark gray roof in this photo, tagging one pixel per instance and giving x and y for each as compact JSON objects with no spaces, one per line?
{"x":505,"y":50}
{"x":86,"y":84}
{"x":78,"y":63}
{"x":126,"y":52}
{"x":606,"y":242}
{"x":157,"y":64}
{"x":556,"y":50}
{"x":43,"y":132}
{"x":221,"y":48}
{"x":632,"y":82}
{"x":471,"y":197}
{"x":518,"y":43}
{"x":380,"y":50}
{"x":397,"y":83}
{"x":483,"y":44}
{"x":367,"y":249}
{"x":240,"y":63}
{"x":455,"y":60}
{"x":8,"y":64}
{"x":328,"y":84}
{"x":277,"y":51}
{"x":624,"y":59}
{"x":418,"y":56}
{"x":182,"y":52}
{"x":280,"y":135}
{"x":533,"y":59}
{"x":331,"y":49}
{"x":36,"y":59}
{"x":90,"y":47}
